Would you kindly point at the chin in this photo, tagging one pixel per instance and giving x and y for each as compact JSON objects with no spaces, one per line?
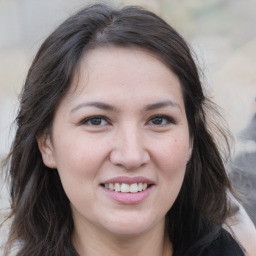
{"x":130,"y":226}
{"x":126,"y":231}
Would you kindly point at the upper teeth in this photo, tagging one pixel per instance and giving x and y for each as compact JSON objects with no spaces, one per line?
{"x":123,"y":187}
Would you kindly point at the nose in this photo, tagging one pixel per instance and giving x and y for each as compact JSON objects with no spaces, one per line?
{"x":128,"y":149}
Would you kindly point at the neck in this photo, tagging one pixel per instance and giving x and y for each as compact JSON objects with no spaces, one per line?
{"x":94,"y":242}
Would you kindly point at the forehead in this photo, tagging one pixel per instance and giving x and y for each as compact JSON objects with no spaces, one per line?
{"x":109,"y":71}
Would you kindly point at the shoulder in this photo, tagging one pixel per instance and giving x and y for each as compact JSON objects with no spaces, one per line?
{"x":217,"y":243}
{"x":4,"y":231}
{"x":241,"y":226}
{"x":223,"y":245}
{"x":4,"y":234}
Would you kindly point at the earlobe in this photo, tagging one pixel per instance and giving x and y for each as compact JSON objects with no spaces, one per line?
{"x":46,"y":149}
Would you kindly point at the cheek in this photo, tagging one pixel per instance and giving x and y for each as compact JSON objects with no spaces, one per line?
{"x":172,"y":160}
{"x":78,"y":163}
{"x":172,"y":155}
{"x":77,"y":155}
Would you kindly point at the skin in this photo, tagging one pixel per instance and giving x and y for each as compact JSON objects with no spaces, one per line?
{"x":128,"y":139}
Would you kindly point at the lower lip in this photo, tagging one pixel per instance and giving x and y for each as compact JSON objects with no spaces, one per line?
{"x":128,"y":198}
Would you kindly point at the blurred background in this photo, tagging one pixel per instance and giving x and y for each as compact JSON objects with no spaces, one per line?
{"x":221,"y":32}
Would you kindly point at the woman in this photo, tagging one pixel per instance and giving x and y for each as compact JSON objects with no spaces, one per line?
{"x":113,"y":154}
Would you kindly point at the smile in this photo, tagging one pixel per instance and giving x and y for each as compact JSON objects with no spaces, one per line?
{"x":127,"y":188}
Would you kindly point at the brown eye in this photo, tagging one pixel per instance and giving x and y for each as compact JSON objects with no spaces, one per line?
{"x":161,"y":120}
{"x":94,"y":121}
{"x":157,"y":120}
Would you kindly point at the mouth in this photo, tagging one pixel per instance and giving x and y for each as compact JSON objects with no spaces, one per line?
{"x":127,"y":188}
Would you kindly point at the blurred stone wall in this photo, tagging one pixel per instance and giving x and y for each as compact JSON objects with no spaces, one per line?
{"x":222,"y":33}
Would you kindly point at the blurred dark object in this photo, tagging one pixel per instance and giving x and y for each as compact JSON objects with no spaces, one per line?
{"x":243,"y":170}
{"x":249,"y":133}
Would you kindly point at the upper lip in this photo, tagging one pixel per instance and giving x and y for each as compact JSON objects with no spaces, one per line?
{"x":128,"y":180}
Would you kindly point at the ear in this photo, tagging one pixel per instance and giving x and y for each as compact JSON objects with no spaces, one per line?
{"x":46,"y":149}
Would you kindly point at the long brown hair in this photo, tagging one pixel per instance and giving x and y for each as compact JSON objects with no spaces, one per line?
{"x":41,"y":213}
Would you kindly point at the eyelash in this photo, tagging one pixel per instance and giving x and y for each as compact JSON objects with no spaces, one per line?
{"x":88,"y":120}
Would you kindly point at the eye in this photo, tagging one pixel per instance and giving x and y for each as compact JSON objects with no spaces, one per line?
{"x":94,"y":121}
{"x":161,"y":120}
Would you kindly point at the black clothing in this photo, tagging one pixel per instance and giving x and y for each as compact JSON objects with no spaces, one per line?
{"x":222,"y":245}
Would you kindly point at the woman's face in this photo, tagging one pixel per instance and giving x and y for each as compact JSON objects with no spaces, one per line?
{"x":122,"y":126}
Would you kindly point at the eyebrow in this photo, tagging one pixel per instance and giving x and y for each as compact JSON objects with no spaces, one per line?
{"x":96,"y":104}
{"x":105,"y":106}
{"x":162,"y":104}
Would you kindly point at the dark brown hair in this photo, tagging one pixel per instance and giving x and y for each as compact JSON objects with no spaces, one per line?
{"x":42,"y":218}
